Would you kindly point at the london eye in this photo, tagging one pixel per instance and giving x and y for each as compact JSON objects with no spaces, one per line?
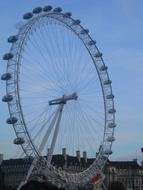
{"x":59,"y":93}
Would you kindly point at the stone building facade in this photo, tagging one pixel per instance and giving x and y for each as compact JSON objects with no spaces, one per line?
{"x":14,"y":171}
{"x":1,"y":180}
{"x":130,"y":173}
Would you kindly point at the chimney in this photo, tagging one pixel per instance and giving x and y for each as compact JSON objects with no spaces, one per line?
{"x":85,"y":156}
{"x":64,"y":153}
{"x":1,"y":158}
{"x":48,"y":152}
{"x":78,"y":155}
{"x":135,"y":160}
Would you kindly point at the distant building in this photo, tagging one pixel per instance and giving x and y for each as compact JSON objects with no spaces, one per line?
{"x":130,"y":173}
{"x":1,"y":180}
{"x":1,"y":158}
{"x":1,"y":174}
{"x":127,"y":172}
{"x":14,"y":171}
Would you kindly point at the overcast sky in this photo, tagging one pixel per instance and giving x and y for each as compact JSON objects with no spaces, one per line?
{"x":117,"y":26}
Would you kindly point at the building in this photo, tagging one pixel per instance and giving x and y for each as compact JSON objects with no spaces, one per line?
{"x":14,"y":171}
{"x":130,"y":173}
{"x":1,"y":180}
{"x":1,"y":174}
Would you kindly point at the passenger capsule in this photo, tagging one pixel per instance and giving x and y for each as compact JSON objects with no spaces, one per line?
{"x":8,"y":56}
{"x":47,"y":8}
{"x":112,"y":110}
{"x":98,"y":54}
{"x":6,"y":76}
{"x":111,"y":125}
{"x":7,"y":98}
{"x":110,"y":96}
{"x":27,"y":16}
{"x":111,"y":139}
{"x":68,"y":15}
{"x":106,"y":82}
{"x":58,"y":10}
{"x":103,"y":68}
{"x":19,"y":141}
{"x":37,"y":10}
{"x":76,"y":22}
{"x":108,"y":152}
{"x":84,"y":31}
{"x":92,"y":42}
{"x":11,"y":120}
{"x":12,"y":39}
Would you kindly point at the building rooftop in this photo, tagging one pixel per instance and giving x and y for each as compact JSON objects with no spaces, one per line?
{"x":12,"y":165}
{"x":125,"y":164}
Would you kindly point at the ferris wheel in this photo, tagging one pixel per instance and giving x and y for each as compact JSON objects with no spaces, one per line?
{"x":59,"y":93}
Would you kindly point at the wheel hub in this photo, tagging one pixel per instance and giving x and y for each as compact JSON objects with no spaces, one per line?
{"x":63,"y":99}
